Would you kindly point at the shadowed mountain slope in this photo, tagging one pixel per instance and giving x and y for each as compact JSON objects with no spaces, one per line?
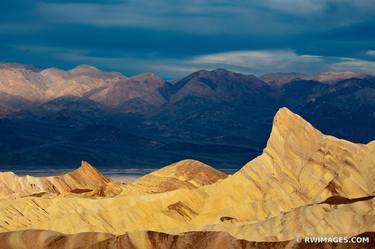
{"x":134,"y":94}
{"x":219,"y":117}
{"x":281,"y":79}
{"x":219,"y":85}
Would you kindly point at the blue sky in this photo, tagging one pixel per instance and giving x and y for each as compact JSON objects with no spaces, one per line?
{"x":174,"y":38}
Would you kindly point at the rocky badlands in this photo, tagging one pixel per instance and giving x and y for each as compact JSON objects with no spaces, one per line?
{"x":305,"y":183}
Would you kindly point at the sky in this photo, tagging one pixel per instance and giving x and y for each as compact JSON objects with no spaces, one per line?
{"x":173,"y":38}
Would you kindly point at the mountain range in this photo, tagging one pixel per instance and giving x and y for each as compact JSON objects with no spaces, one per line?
{"x":58,"y":117}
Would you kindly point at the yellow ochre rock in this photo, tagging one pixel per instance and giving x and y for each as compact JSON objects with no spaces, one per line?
{"x":85,"y":179}
{"x":305,"y":183}
{"x":183,"y":174}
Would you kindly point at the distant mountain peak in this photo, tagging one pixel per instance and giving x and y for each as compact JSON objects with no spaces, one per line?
{"x":138,"y":89}
{"x":221,"y":70}
{"x":219,"y":85}
{"x":333,"y":77}
{"x":8,"y":65}
{"x":83,"y":68}
{"x":218,"y":74}
{"x":147,"y":76}
{"x":217,"y":71}
{"x":280,"y":79}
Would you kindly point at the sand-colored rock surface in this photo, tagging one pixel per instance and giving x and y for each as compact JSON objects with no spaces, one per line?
{"x":40,"y":239}
{"x":305,"y":183}
{"x":188,"y":174}
{"x":89,"y":182}
{"x":84,"y":180}
{"x":300,"y":166}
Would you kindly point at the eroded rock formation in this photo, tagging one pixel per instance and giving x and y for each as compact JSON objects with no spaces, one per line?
{"x":85,"y":179}
{"x":304,"y":184}
{"x":188,"y":174}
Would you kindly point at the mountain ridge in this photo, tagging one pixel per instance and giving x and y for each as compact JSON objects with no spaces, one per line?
{"x":280,"y":79}
{"x":53,"y":77}
{"x":217,"y":116}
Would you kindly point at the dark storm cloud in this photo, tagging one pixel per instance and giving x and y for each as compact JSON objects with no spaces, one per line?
{"x":173,"y":38}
